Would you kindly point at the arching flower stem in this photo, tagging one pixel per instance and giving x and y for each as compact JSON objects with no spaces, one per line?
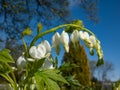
{"x":55,"y":29}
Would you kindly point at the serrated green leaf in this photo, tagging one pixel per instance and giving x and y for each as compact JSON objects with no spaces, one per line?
{"x":39,"y":82}
{"x":53,"y":74}
{"x":51,"y":85}
{"x":44,"y":82}
{"x":5,"y":56}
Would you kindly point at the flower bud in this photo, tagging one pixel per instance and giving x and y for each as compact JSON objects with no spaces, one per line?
{"x":21,"y":62}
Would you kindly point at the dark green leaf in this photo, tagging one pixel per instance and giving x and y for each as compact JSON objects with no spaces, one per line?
{"x":54,"y":74}
{"x":100,"y":62}
{"x":5,"y":56}
{"x":5,"y":68}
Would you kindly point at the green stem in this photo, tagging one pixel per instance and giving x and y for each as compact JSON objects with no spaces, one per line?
{"x":24,"y":43}
{"x":25,"y":46}
{"x":13,"y":76}
{"x":55,"y":29}
{"x":9,"y":79}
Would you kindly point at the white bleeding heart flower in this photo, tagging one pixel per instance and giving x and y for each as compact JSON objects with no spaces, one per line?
{"x":74,"y":36}
{"x":21,"y":62}
{"x":40,"y":51}
{"x":83,"y":35}
{"x":34,"y":52}
{"x":91,"y":41}
{"x":56,"y":42}
{"x":65,"y":40}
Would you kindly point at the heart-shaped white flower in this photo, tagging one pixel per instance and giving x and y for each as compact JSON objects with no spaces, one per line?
{"x":83,"y":35}
{"x":65,"y":40}
{"x":56,"y":42}
{"x":37,"y":52}
{"x":74,"y":36}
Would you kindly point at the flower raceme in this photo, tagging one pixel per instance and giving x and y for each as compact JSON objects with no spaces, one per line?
{"x":37,"y":53}
{"x":44,"y":49}
{"x":92,"y":43}
{"x":89,"y":40}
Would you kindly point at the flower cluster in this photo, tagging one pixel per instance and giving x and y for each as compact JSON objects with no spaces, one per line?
{"x":38,"y":52}
{"x":90,"y":41}
{"x":43,"y":50}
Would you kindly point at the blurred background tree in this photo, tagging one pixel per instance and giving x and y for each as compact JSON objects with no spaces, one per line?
{"x":78,"y":66}
{"x":101,"y":72}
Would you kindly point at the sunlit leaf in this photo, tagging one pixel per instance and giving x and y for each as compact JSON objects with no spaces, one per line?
{"x":39,"y":82}
{"x":48,"y":79}
{"x":5,"y":56}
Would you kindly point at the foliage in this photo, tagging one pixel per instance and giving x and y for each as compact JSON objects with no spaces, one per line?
{"x":80,"y":70}
{"x":35,"y":69}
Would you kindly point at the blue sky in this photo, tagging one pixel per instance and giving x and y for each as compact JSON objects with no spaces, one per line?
{"x":107,"y":31}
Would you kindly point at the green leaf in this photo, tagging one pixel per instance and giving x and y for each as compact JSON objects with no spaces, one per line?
{"x":39,"y":82}
{"x":54,"y":74}
{"x":47,"y":79}
{"x":43,"y":82}
{"x":4,"y":68}
{"x":51,"y":85}
{"x":5,"y":56}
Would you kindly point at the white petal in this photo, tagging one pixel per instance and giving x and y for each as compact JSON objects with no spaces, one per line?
{"x":65,"y":40}
{"x":21,"y":62}
{"x":47,"y":46}
{"x":33,"y":52}
{"x":41,"y":51}
{"x":81,"y":35}
{"x":86,"y":35}
{"x":74,"y":36}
